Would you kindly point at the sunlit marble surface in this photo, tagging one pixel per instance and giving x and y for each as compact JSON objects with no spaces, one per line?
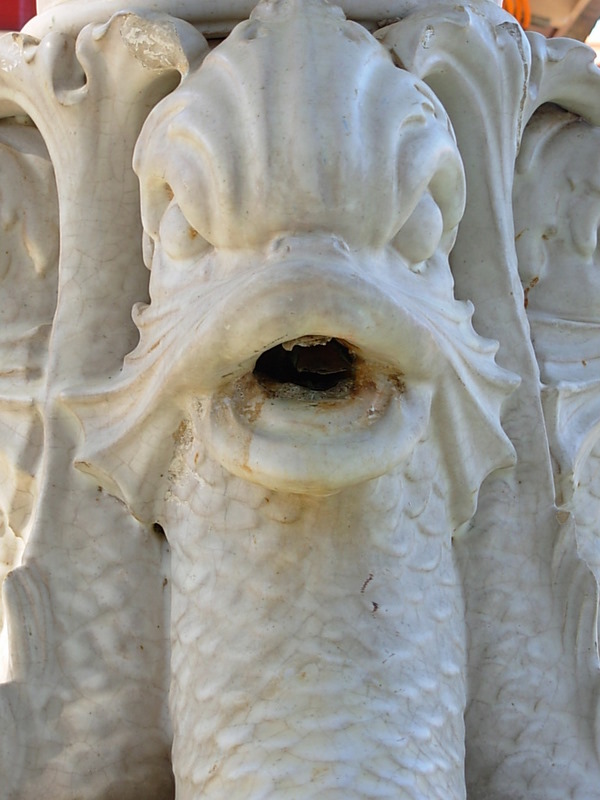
{"x":298,"y":404}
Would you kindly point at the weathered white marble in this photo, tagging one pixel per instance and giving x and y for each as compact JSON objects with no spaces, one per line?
{"x":305,"y":506}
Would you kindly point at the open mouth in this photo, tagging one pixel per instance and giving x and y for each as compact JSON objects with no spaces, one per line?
{"x":314,"y":416}
{"x":317,"y":363}
{"x":307,"y":393}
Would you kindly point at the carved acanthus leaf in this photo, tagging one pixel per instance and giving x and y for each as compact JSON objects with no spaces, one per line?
{"x":557,"y":216}
{"x":88,"y":97}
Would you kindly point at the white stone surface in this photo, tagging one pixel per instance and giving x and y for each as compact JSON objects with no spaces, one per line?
{"x":365,"y":564}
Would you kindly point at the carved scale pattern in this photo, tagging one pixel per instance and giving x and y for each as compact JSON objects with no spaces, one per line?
{"x":364,"y":700}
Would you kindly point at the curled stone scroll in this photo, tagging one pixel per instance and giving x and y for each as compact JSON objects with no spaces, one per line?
{"x":28,"y":277}
{"x":309,"y":518}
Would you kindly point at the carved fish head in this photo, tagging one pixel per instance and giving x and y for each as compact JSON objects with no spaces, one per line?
{"x":300,"y":195}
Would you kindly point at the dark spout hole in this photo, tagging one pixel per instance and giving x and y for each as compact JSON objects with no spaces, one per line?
{"x":319,"y":366}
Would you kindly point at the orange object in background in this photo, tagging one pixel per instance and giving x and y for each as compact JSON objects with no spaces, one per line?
{"x":520,"y":9}
{"x":15,"y":13}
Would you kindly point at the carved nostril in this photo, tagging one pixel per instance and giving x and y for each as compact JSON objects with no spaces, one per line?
{"x":312,"y":362}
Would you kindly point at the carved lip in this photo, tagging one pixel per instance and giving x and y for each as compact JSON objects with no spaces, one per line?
{"x":309,"y":445}
{"x":309,"y":439}
{"x":323,"y":294}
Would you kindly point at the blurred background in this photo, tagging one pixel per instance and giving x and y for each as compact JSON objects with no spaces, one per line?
{"x":15,"y":13}
{"x":573,"y":18}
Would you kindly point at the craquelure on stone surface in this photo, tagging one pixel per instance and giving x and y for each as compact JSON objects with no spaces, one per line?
{"x":298,"y":404}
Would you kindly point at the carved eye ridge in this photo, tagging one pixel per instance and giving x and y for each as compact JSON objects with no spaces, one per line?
{"x":419,"y":237}
{"x":178,"y":238}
